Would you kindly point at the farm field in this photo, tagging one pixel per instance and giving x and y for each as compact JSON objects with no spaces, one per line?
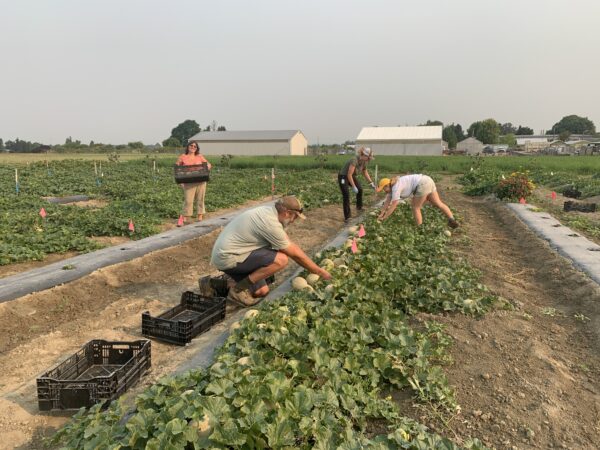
{"x":142,"y":191}
{"x":522,"y":372}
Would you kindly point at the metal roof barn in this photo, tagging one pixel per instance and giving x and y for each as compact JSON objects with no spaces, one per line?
{"x":252,"y":142}
{"x":420,"y":141}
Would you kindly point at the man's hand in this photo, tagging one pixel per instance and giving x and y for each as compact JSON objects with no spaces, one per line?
{"x":355,"y":189}
{"x":373,"y":185}
{"x":324,"y":274}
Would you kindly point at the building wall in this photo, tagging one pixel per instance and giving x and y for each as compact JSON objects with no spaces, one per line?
{"x":470,"y":147}
{"x":298,"y":145}
{"x":418,"y":148}
{"x":248,"y":148}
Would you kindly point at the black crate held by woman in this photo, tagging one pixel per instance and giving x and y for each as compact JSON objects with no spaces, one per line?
{"x":196,"y":173}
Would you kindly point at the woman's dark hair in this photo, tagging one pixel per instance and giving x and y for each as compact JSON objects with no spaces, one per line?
{"x":188,"y":146}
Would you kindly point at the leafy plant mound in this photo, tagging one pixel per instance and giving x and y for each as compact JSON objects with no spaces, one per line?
{"x":514,"y":187}
{"x":316,"y":369}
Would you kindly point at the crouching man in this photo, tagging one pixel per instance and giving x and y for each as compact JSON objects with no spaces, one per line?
{"x":254,"y":246}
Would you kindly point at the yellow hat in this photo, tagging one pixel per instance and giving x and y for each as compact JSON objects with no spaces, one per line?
{"x":383,"y":183}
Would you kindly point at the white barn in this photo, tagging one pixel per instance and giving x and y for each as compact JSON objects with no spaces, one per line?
{"x":421,"y":141}
{"x":470,"y":145}
{"x":255,"y":142}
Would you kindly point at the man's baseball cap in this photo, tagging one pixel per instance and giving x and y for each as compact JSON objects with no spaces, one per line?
{"x":291,"y":203}
{"x":383,"y":183}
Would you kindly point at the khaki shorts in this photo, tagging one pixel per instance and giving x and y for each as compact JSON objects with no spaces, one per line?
{"x":425,"y":187}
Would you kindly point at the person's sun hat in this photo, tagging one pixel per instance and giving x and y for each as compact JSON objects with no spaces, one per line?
{"x":383,"y":183}
{"x":291,"y":203}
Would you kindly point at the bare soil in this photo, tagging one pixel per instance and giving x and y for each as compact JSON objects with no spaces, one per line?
{"x":527,"y":374}
{"x":40,"y":330}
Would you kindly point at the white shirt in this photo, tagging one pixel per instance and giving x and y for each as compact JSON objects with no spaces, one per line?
{"x":405,"y":186}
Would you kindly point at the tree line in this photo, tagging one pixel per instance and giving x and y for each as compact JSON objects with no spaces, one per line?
{"x":489,"y":131}
{"x":178,"y":138}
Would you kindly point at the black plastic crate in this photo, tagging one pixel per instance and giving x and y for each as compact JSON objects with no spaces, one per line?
{"x":195,"y":173}
{"x":101,"y":370}
{"x":180,"y":324}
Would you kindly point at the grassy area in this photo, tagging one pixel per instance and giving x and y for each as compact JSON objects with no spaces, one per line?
{"x":393,"y":164}
{"x":23,"y":158}
{"x":428,"y":164}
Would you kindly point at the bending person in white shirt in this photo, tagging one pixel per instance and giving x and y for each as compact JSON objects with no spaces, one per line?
{"x":421,"y":188}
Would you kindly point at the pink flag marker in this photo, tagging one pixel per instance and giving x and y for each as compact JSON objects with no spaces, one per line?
{"x":522,"y":201}
{"x":553,"y":195}
{"x":131,"y":226}
{"x":361,"y":231}
{"x":354,"y":247}
{"x":43,"y":213}
{"x":180,"y":221}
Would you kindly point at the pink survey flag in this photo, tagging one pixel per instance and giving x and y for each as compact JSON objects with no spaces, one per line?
{"x":361,"y":231}
{"x":131,"y":226}
{"x":180,"y":221}
{"x":354,"y":247}
{"x":43,"y":213}
{"x":553,"y":195}
{"x":522,"y":201}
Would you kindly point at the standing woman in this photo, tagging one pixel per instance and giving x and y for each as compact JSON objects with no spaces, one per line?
{"x":347,"y":179}
{"x":421,"y":187}
{"x":192,"y":157}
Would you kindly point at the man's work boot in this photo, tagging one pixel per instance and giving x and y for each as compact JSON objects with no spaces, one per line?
{"x":205,"y":286}
{"x":242,"y":297}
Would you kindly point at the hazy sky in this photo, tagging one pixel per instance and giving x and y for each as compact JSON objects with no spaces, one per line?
{"x":116,"y":71}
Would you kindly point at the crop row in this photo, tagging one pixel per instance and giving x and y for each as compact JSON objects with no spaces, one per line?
{"x":317,"y":368}
{"x":124,"y":191}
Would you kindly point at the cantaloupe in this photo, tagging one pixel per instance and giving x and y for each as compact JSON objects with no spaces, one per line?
{"x":327,"y":264}
{"x":339,"y":261}
{"x":352,"y":229}
{"x":244,"y":361}
{"x":329,"y":288}
{"x":203,"y":426}
{"x":312,"y":279}
{"x":447,"y":233}
{"x":250,"y":314}
{"x":234,"y":326}
{"x":299,"y":283}
{"x":348,"y":243}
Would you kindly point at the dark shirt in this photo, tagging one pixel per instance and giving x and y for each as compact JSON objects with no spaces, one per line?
{"x":356,"y":162}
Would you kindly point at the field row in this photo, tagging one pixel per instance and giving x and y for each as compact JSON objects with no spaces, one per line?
{"x":319,"y":368}
{"x":124,"y":192}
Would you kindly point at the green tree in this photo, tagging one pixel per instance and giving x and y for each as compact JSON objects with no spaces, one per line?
{"x":507,"y":128}
{"x":449,"y":136}
{"x":508,"y":139}
{"x":171,"y":142}
{"x":524,"y":131}
{"x":453,"y":134}
{"x":221,"y":128}
{"x":574,"y":125}
{"x":185,"y":130}
{"x":1,"y":144}
{"x":487,"y":131}
{"x":564,"y":136}
{"x":136,"y":144}
{"x":431,"y":123}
